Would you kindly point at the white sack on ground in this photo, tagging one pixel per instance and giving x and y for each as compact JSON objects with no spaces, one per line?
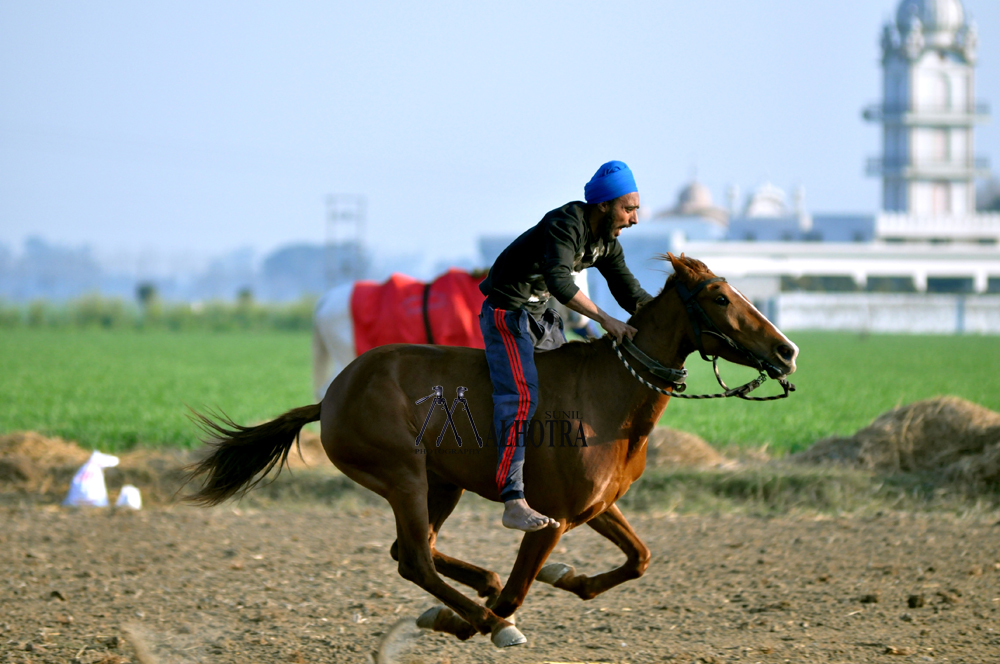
{"x":87,"y":487}
{"x":129,"y":497}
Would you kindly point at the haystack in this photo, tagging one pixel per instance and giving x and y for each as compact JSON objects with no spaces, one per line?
{"x":946,"y":435}
{"x":26,"y":458}
{"x":41,"y":450}
{"x":674,"y":448}
{"x":37,"y":466}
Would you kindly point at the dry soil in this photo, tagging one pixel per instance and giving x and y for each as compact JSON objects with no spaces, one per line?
{"x":230,"y":584}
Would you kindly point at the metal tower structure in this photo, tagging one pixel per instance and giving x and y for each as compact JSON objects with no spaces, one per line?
{"x":345,"y":256}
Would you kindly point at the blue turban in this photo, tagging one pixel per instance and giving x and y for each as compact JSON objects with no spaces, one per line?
{"x":611,"y":180}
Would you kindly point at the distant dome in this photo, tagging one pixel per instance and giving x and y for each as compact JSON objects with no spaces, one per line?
{"x":695,"y":196}
{"x":940,"y":19}
{"x":767,"y":201}
{"x":695,"y":200}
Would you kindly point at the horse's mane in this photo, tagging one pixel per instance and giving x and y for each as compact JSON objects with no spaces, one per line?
{"x":695,"y":271}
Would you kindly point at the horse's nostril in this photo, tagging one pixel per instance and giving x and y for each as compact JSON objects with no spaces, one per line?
{"x":786,"y":352}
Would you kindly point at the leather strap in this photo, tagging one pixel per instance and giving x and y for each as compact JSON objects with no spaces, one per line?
{"x":674,"y":376}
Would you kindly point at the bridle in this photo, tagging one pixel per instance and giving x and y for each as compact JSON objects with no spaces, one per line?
{"x":702,"y":324}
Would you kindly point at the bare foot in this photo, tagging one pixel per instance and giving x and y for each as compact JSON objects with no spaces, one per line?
{"x":517,"y":515}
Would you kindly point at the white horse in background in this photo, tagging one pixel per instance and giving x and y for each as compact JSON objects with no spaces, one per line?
{"x":333,"y":337}
{"x":333,"y":331}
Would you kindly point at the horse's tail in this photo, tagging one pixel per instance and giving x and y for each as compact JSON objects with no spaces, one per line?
{"x":242,"y":453}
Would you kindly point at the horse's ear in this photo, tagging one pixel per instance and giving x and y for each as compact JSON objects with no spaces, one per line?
{"x":680,"y":268}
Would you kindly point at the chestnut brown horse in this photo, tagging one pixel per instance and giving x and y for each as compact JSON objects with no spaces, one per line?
{"x":369,"y":422}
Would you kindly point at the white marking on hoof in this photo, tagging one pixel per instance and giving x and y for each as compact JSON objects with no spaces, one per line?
{"x":427,"y":618}
{"x":508,"y":636}
{"x":552,"y":572}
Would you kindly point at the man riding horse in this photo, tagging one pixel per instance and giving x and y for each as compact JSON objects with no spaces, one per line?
{"x":368,"y":421}
{"x":540,"y":264}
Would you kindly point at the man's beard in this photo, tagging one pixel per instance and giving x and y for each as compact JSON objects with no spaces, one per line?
{"x":606,"y":229}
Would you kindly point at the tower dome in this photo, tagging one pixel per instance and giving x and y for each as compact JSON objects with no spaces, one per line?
{"x":940,"y":20}
{"x":695,"y":200}
{"x":767,"y":201}
{"x":694,"y":197}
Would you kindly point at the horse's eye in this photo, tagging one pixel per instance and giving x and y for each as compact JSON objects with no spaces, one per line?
{"x":722,"y":300}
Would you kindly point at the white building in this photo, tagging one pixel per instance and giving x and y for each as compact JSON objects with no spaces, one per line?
{"x":928,"y":112}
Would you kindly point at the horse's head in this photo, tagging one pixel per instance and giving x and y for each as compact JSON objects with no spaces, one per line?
{"x":718,"y":313}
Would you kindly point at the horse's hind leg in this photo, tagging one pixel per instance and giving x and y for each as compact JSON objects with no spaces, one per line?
{"x":442,"y":498}
{"x":441,"y":501}
{"x":485,"y":582}
{"x":416,"y":564}
{"x":612,"y":524}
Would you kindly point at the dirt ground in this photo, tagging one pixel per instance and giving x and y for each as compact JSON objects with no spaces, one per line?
{"x":316,"y":584}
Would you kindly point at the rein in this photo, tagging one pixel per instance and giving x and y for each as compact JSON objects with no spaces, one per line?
{"x":702,"y":324}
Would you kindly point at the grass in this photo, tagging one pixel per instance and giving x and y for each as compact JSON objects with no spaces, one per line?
{"x":117,"y":389}
{"x":779,"y":487}
{"x":844,"y":381}
{"x":772,"y":488}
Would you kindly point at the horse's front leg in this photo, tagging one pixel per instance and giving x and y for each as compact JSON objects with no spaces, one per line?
{"x":612,"y":525}
{"x":535,"y":548}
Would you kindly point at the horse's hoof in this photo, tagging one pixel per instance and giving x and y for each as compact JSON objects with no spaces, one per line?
{"x":508,"y":636}
{"x":553,"y":572}
{"x":442,"y":619}
{"x":427,"y":618}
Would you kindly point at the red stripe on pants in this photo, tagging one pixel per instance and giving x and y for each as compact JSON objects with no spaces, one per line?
{"x":514,"y":360}
{"x":523,"y":396}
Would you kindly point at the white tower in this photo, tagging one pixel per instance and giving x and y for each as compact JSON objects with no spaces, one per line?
{"x":928,"y":111}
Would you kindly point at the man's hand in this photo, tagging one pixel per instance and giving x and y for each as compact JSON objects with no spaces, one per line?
{"x":617,"y":329}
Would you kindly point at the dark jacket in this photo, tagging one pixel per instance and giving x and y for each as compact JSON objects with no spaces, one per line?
{"x":540,"y":263}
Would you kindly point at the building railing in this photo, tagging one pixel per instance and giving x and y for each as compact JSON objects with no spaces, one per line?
{"x":921,"y":313}
{"x":879,"y":112}
{"x":978,"y":226}
{"x":881,"y":166}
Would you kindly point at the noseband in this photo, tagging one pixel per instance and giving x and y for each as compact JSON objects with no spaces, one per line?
{"x":702,"y":324}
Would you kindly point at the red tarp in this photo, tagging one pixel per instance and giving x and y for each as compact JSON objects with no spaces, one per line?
{"x":392,"y":312}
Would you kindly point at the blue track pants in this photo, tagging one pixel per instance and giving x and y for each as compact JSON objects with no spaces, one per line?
{"x":511,"y":338}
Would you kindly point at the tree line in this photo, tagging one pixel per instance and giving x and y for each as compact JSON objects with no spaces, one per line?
{"x":148,"y":311}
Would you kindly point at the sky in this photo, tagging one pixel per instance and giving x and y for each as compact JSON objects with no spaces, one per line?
{"x":198,"y":128}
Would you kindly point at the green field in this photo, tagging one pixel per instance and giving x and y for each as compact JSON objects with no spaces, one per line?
{"x":844,"y":381}
{"x":118,"y":389}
